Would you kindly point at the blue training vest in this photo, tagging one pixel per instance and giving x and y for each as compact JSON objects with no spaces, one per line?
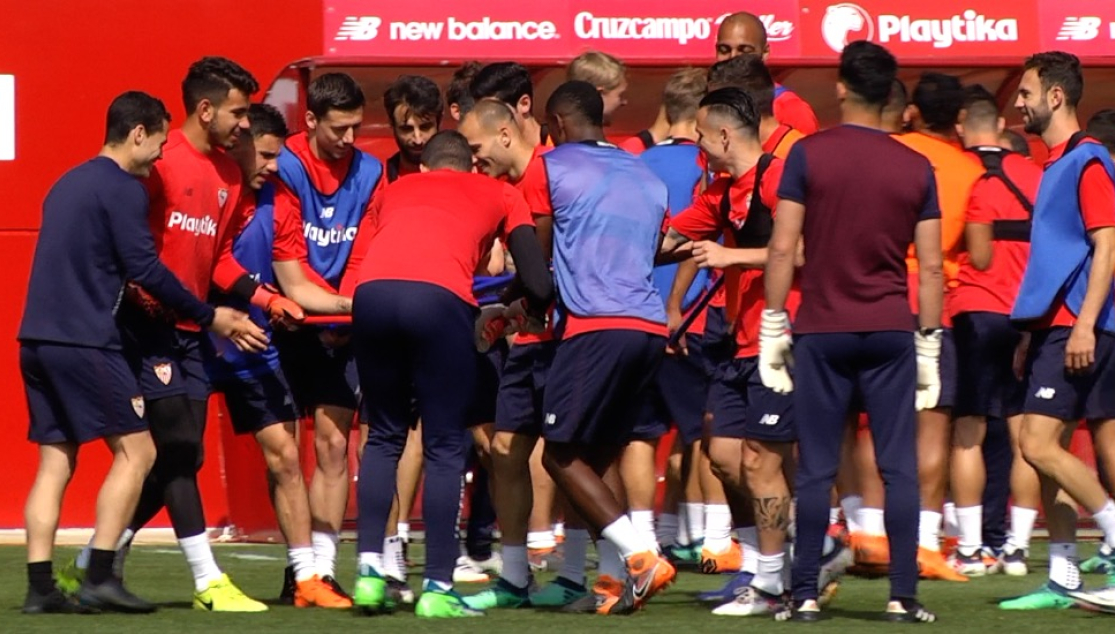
{"x":1060,"y":253}
{"x":253,"y":250}
{"x":675,"y":164}
{"x":608,"y":211}
{"x":329,"y":222}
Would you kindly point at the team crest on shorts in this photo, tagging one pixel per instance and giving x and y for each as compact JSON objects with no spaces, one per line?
{"x":137,"y":405}
{"x":222,"y":197}
{"x":164,"y":372}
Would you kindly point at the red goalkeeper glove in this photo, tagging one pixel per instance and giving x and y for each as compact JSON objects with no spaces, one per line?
{"x":278,"y":308}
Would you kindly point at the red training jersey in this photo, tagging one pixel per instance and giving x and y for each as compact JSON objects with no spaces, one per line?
{"x":791,"y":109}
{"x":435,"y":228}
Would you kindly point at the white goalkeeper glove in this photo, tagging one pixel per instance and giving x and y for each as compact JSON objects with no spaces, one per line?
{"x":927,"y":344}
{"x":775,"y":358}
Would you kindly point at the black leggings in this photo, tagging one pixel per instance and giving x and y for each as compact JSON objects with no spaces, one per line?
{"x":177,"y":427}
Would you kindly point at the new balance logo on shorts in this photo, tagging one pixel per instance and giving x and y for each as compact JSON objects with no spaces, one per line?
{"x":1045,"y":393}
{"x":551,"y":419}
{"x":769,"y":419}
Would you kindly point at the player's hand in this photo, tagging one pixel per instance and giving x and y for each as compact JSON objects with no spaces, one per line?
{"x":1080,"y":351}
{"x":710,"y":255}
{"x":775,"y":357}
{"x":236,"y":327}
{"x":674,"y":318}
{"x":520,"y":319}
{"x":490,"y":326}
{"x":928,"y":348}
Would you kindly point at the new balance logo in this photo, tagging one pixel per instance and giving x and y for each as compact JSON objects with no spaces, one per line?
{"x":551,"y":419}
{"x":769,"y":419}
{"x":1079,"y":29}
{"x":1045,"y":393}
{"x":358,"y":28}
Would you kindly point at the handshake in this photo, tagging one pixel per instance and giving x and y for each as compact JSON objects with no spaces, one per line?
{"x":499,"y":320}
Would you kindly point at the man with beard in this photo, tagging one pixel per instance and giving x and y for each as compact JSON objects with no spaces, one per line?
{"x":414,"y":108}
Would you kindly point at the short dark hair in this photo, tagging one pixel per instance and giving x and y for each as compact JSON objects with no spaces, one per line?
{"x":899,"y":97}
{"x":868,"y":71}
{"x":1018,"y":143}
{"x":266,"y":119}
{"x":447,"y":149}
{"x":1056,"y":68}
{"x":506,"y":81}
{"x":980,"y":106}
{"x":333,"y":91}
{"x":939,"y":98}
{"x":578,"y":98}
{"x":131,"y":109}
{"x":736,"y":104}
{"x":420,"y":94}
{"x":457,"y":92}
{"x":747,"y":72}
{"x":1102,"y":127}
{"x":213,"y":78}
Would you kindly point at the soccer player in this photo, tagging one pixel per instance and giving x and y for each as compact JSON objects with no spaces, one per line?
{"x":194,"y":191}
{"x":1066,"y":302}
{"x":329,"y":185}
{"x":742,"y":33}
{"x":607,"y":73}
{"x":853,"y":326}
{"x":414,"y":109}
{"x":94,"y":237}
{"x":656,"y":133}
{"x":894,"y":113}
{"x":510,"y":83}
{"x":933,"y":113}
{"x":996,"y":236}
{"x":414,"y":332}
{"x":523,"y":497}
{"x":458,"y":100}
{"x":608,"y":213}
{"x":256,"y":392}
{"x":749,"y":73}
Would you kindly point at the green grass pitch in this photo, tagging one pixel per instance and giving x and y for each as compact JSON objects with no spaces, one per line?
{"x":160,"y":574}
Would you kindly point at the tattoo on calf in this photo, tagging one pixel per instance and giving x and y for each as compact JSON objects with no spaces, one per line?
{"x":773,"y":513}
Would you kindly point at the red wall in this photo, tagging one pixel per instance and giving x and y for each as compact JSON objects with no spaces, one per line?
{"x":70,"y":58}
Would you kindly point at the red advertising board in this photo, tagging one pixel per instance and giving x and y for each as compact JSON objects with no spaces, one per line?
{"x":1087,"y":27}
{"x":511,"y":29}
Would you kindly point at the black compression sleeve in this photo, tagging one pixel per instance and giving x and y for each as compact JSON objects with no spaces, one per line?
{"x":531,"y":266}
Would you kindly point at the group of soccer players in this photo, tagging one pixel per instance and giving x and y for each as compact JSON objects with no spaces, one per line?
{"x":841,"y":325}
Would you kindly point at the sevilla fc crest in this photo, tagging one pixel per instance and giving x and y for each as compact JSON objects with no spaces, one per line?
{"x":137,"y":405}
{"x":222,"y":197}
{"x":164,"y":372}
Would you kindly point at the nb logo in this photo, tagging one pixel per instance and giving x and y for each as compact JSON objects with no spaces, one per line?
{"x":1079,"y":29}
{"x":327,"y":213}
{"x":769,"y":419}
{"x":358,"y":28}
{"x":551,"y":419}
{"x":1045,"y":393}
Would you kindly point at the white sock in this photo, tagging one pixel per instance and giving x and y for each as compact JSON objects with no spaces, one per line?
{"x":559,"y":530}
{"x":929,"y":530}
{"x":623,"y":534}
{"x":516,"y":569}
{"x":576,"y":554}
{"x":541,"y":539}
{"x":970,"y":521}
{"x":325,"y":552}
{"x":872,"y":521}
{"x":200,"y":558}
{"x":1063,"y":568}
{"x":402,"y":529}
{"x":851,"y":505}
{"x":644,"y":523}
{"x":718,"y":527}
{"x":1021,"y":527}
{"x":82,"y":559}
{"x":834,"y":515}
{"x":666,"y":530}
{"x":394,"y":561}
{"x":373,"y":562}
{"x":768,"y":576}
{"x":694,"y":522}
{"x":302,"y":560}
{"x":611,"y":563}
{"x":1105,"y":519}
{"x":748,"y":538}
{"x":951,"y":521}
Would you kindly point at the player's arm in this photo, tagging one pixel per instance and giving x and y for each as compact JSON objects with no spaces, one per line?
{"x":713,"y":255}
{"x":698,"y":222}
{"x":683,"y":279}
{"x":1097,"y":205}
{"x":782,"y":253}
{"x":293,"y":281}
{"x":978,"y":228}
{"x":495,"y":263}
{"x":544,"y":230}
{"x":364,"y":234}
{"x":531,"y":266}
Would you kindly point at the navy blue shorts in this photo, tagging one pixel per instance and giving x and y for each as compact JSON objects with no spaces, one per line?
{"x":718,"y":343}
{"x":257,"y":402}
{"x":1051,"y":391}
{"x":986,"y":384}
{"x":77,"y":394}
{"x":677,"y":397}
{"x":598,"y":384}
{"x":742,"y":407}
{"x":488,"y":374}
{"x":525,"y":372}
{"x":948,"y":369}
{"x":166,"y":361}
{"x":318,"y":375}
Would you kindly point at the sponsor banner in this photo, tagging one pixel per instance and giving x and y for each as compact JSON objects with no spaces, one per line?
{"x":956,"y":29}
{"x":509,"y":29}
{"x":1084,"y":27}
